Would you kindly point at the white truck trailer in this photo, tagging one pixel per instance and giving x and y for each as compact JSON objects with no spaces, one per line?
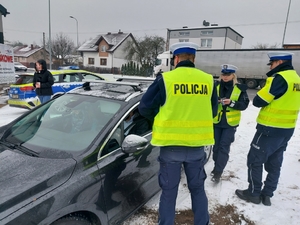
{"x":251,"y":63}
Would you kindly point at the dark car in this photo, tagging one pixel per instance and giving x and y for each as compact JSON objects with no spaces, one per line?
{"x":20,"y":67}
{"x":72,"y":161}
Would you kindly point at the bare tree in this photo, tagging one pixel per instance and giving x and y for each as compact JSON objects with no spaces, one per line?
{"x":61,"y":46}
{"x":145,"y":49}
{"x":264,"y":46}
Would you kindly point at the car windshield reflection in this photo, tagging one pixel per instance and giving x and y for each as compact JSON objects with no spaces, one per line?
{"x":70,"y":123}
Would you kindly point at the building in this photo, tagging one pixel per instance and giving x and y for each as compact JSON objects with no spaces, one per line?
{"x":106,"y":52}
{"x":28,"y":55}
{"x":291,"y":46}
{"x":207,"y":38}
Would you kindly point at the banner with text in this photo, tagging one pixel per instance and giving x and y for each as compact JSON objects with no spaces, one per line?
{"x":7,"y":69}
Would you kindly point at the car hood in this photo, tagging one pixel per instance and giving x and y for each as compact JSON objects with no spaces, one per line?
{"x":24,"y":179}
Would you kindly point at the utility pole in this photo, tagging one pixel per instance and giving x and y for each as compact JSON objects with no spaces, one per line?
{"x":50,"y":47}
{"x":286,"y":21}
{"x":44,"y":47}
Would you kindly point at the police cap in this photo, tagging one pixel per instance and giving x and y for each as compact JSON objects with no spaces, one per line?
{"x":274,"y":56}
{"x":227,"y":69}
{"x":184,"y":47}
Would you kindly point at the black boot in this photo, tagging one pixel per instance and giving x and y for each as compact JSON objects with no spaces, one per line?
{"x":245,"y":195}
{"x":216,"y":177}
{"x":266,"y":200}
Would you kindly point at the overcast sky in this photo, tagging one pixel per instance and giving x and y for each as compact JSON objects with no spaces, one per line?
{"x":259,"y":21}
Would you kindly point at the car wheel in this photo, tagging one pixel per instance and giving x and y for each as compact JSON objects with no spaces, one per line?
{"x":208,"y":150}
{"x":72,"y":220}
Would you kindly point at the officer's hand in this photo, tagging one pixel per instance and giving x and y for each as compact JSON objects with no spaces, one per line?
{"x":226,"y":101}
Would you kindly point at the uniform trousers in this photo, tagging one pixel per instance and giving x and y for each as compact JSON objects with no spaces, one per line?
{"x":223,"y":139}
{"x":268,"y":151}
{"x":171,"y":160}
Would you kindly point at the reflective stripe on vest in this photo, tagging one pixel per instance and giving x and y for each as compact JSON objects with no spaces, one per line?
{"x":233,"y":116}
{"x":282,"y":112}
{"x":186,"y":117}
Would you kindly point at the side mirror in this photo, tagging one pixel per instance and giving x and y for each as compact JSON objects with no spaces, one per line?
{"x":133,"y":143}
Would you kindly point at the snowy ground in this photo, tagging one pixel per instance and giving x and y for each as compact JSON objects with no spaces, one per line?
{"x":285,"y":207}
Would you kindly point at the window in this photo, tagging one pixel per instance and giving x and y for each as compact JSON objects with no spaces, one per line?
{"x":90,"y":76}
{"x":91,"y":61}
{"x":206,"y":43}
{"x":103,"y":48}
{"x":183,"y":40}
{"x":103,"y":62}
{"x":207,"y":32}
{"x":184,"y":33}
{"x":73,"y":77}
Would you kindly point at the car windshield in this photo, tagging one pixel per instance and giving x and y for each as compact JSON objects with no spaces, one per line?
{"x":70,"y":123}
{"x":24,"y":79}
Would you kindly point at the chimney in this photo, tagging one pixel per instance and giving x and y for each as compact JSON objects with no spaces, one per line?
{"x":120,"y":32}
{"x":31,"y":46}
{"x":108,"y":32}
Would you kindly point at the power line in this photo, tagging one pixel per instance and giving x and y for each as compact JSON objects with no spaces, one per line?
{"x":154,"y":29}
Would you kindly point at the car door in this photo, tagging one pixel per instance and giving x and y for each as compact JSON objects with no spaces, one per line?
{"x":129,"y":179}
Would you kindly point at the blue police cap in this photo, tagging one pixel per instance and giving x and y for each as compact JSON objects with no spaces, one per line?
{"x":227,"y":68}
{"x":184,"y":47}
{"x":279,"y":56}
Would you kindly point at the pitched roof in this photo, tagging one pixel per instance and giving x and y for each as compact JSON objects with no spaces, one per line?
{"x":3,"y":10}
{"x":112,"y":39}
{"x":25,"y":51}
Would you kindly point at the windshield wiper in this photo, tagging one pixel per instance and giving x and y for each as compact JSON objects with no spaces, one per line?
{"x":20,"y":148}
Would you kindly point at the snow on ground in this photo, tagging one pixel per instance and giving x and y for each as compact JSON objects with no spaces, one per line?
{"x":285,"y":207}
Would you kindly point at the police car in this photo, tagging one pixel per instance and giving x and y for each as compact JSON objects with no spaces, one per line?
{"x":22,"y":93}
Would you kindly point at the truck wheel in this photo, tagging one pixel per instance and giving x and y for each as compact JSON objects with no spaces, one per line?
{"x":262,"y":83}
{"x":240,"y":81}
{"x":251,"y":83}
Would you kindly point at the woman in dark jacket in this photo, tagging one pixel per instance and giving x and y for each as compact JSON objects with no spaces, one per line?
{"x":233,"y":99}
{"x":43,"y":81}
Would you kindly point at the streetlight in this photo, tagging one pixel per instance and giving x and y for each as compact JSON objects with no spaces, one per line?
{"x":287,"y":17}
{"x":50,"y":50}
{"x":76,"y":28}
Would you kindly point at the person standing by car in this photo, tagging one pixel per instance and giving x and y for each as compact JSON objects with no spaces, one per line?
{"x":279,"y":100}
{"x":182,"y":103}
{"x":43,"y":81}
{"x":233,"y":98}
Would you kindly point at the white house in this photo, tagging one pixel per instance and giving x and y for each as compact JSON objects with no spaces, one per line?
{"x":106,"y":51}
{"x":206,"y":37}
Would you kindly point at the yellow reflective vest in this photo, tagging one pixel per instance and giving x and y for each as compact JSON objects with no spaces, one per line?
{"x":233,"y":116}
{"x":186,"y":117}
{"x":282,"y":112}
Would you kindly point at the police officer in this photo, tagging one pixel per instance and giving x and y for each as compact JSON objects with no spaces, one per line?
{"x":233,"y":99}
{"x":279,"y":100}
{"x":182,"y":103}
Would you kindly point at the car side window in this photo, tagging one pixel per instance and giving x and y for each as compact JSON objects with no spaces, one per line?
{"x":133,"y":123}
{"x":73,"y":77}
{"x":136,"y":124}
{"x":90,"y":76}
{"x":56,"y":78}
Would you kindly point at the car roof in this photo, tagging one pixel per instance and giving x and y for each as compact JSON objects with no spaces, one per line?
{"x":123,"y":89}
